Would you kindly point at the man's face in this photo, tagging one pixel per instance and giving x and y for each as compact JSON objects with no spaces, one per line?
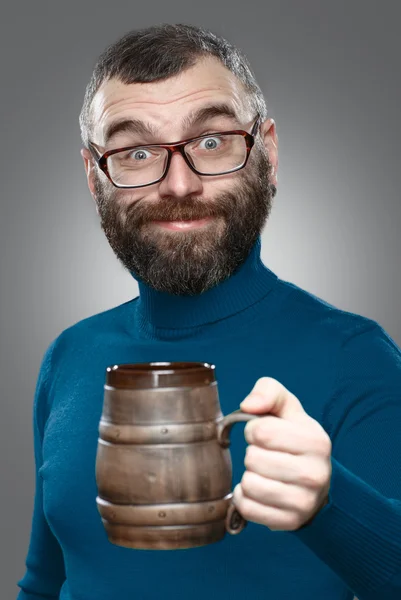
{"x":188,"y":232}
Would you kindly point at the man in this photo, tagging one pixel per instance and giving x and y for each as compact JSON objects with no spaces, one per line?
{"x":181,"y":161}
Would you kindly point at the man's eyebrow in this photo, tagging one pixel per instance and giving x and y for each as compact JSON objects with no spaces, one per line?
{"x":194,"y":119}
{"x":204,"y":114}
{"x":129,"y":126}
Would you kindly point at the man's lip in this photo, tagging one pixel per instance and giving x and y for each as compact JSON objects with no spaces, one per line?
{"x":183,"y":225}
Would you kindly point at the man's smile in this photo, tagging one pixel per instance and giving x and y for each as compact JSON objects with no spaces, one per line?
{"x":183,"y":225}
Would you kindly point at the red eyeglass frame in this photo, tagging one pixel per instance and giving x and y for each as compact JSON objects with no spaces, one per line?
{"x":101,"y":159}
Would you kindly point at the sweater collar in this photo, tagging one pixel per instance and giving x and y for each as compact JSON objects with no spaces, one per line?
{"x":249,"y":284}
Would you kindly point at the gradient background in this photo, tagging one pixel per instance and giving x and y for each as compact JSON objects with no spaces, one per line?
{"x":331,"y":75}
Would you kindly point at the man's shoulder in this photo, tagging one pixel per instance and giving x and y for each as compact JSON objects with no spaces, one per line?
{"x":93,"y":330}
{"x":306,"y":310}
{"x":109,"y":319}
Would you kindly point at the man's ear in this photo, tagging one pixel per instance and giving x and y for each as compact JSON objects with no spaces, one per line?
{"x":90,"y":170}
{"x":270,"y":140}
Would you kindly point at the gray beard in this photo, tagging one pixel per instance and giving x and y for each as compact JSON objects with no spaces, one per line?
{"x":188,"y":263}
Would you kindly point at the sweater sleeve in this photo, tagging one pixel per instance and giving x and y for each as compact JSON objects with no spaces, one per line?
{"x":44,"y":573}
{"x":358,"y":533}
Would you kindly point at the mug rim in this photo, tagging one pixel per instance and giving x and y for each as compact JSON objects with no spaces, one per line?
{"x":160,"y":374}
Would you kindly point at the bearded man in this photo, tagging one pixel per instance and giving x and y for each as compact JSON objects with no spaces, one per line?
{"x":181,"y":161}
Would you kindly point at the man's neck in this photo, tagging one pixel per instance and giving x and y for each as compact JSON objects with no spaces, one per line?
{"x":251,"y":282}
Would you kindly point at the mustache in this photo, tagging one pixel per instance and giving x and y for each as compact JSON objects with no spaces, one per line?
{"x":186,"y":209}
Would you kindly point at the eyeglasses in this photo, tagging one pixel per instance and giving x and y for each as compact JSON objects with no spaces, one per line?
{"x":209,"y":155}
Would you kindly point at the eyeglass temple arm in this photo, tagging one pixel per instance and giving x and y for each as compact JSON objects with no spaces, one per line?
{"x":256,"y":125}
{"x":97,"y":155}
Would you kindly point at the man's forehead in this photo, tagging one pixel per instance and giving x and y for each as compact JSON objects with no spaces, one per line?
{"x":169,"y":100}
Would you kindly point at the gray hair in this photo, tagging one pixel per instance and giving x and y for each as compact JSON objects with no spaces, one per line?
{"x":160,"y":52}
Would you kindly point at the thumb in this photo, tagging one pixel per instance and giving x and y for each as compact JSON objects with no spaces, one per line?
{"x":269,"y":396}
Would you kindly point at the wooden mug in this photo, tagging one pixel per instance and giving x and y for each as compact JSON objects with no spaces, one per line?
{"x":163,"y":467}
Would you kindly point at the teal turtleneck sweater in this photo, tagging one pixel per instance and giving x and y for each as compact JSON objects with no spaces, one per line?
{"x":346,"y":371}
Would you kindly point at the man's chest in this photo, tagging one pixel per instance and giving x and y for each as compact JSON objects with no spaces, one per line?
{"x":71,"y":432}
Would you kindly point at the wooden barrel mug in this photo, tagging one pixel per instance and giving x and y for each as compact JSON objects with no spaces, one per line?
{"x":163,"y":467}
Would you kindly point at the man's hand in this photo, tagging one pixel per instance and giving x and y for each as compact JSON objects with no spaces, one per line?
{"x":288,"y":460}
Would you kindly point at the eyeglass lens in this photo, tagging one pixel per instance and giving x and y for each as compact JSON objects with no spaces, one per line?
{"x":209,"y":156}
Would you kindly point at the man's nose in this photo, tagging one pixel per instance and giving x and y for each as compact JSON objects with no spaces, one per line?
{"x":180,"y":180}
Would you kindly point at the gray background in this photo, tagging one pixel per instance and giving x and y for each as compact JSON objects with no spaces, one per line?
{"x":331,"y":73}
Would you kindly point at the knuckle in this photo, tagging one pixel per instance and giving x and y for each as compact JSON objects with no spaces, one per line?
{"x":301,"y":502}
{"x":242,"y":504}
{"x":307,"y":505}
{"x":321,"y":478}
{"x":293,"y":522}
{"x":238,"y":501}
{"x":329,"y":448}
{"x":246,"y":482}
{"x":249,"y":460}
{"x":324,"y":446}
{"x":261,"y":433}
{"x":323,"y":443}
{"x":305,"y":476}
{"x":245,"y":509}
{"x":312,"y":476}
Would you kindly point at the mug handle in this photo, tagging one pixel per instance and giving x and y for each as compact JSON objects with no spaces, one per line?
{"x":235,"y":522}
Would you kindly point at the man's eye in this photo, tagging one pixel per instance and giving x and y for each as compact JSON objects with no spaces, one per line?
{"x":210,"y":143}
{"x":138,"y":155}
